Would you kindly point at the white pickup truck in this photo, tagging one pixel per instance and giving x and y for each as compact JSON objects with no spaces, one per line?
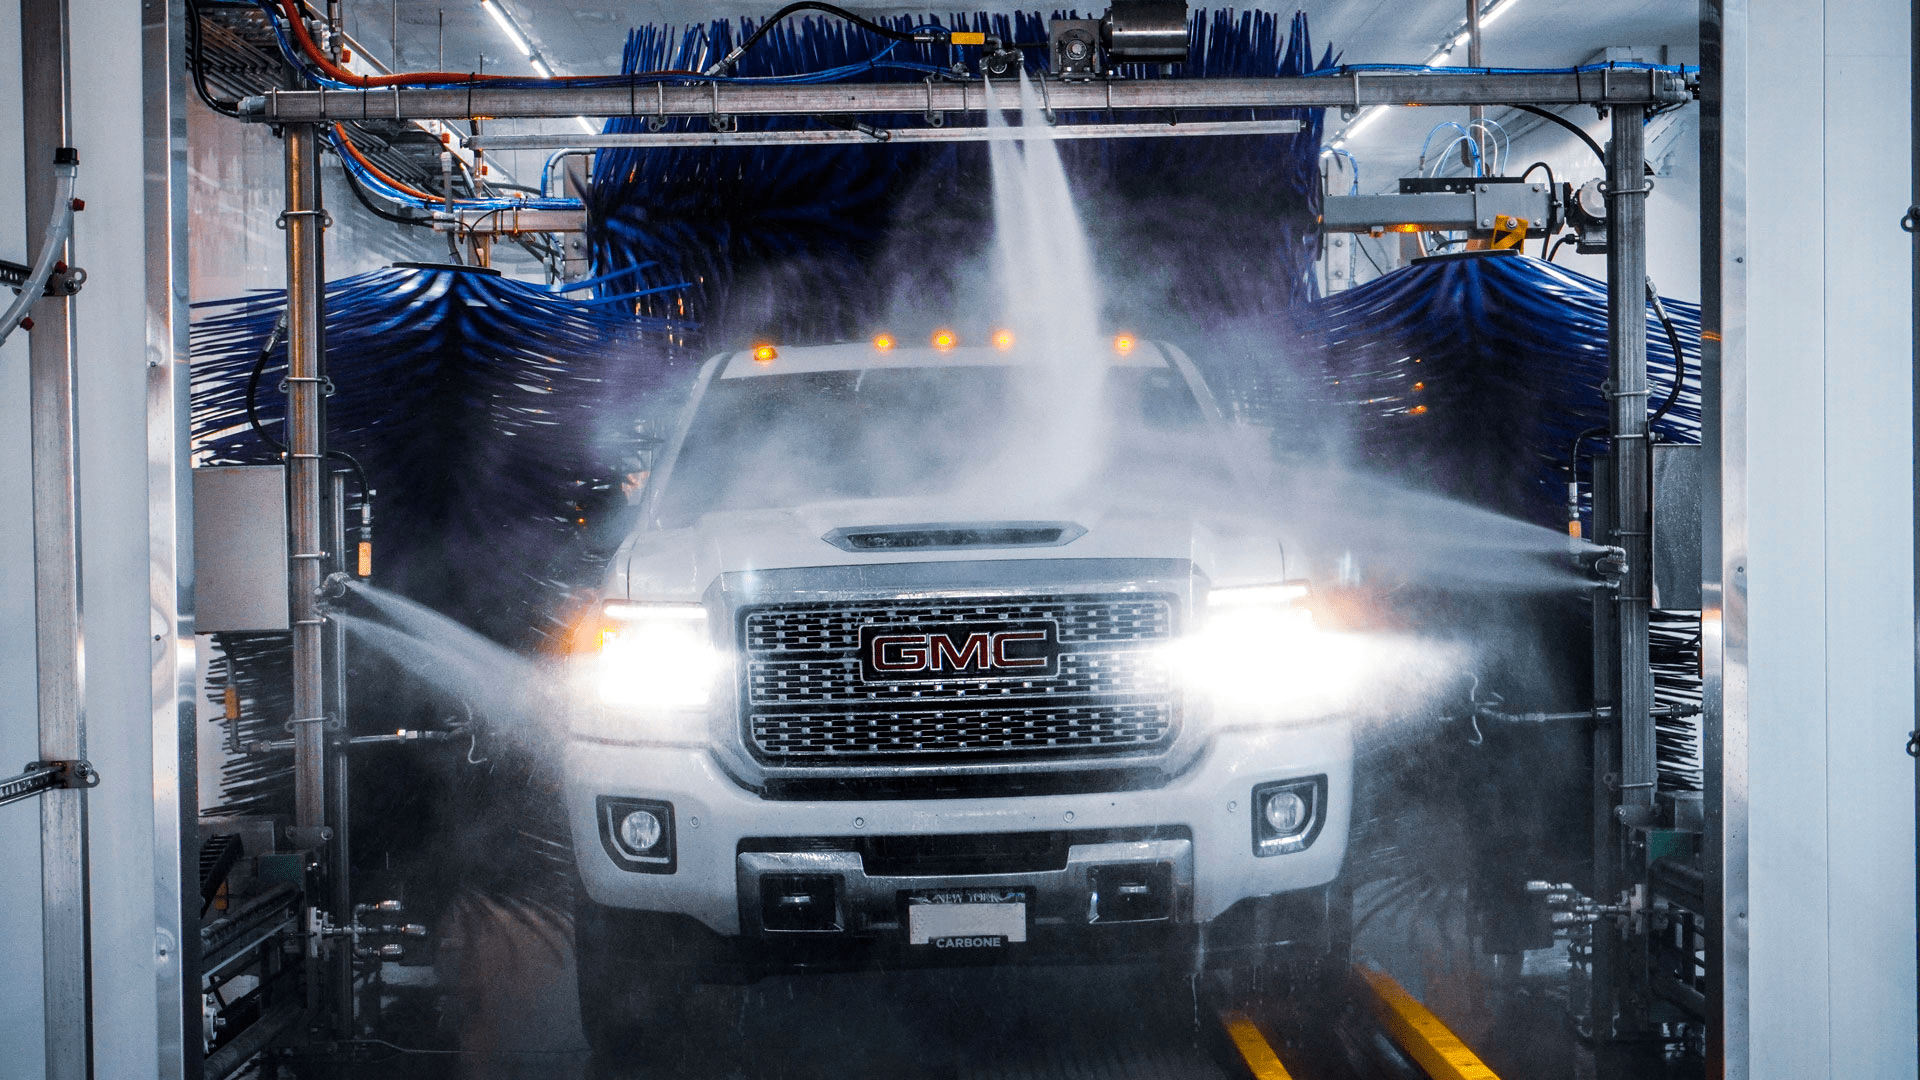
{"x":853,"y":700}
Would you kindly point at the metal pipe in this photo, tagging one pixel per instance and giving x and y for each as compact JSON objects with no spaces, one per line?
{"x":878,"y":136}
{"x":1476,"y":113}
{"x":304,"y":455}
{"x":339,"y":883}
{"x":1599,"y":87}
{"x":46,"y":108}
{"x":1628,"y":391}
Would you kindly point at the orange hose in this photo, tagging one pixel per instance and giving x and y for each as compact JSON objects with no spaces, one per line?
{"x":335,"y":71}
{"x":341,"y":132}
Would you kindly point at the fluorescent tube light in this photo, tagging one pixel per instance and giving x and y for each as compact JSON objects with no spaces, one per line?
{"x":505,"y":23}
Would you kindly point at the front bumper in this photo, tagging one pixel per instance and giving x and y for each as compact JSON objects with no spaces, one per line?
{"x":727,"y":840}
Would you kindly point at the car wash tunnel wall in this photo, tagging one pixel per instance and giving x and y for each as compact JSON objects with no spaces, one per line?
{"x":567,"y":541}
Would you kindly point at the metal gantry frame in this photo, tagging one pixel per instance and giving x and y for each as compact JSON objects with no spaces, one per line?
{"x":1627,"y":740}
{"x":47,"y":111}
{"x":1629,"y":93}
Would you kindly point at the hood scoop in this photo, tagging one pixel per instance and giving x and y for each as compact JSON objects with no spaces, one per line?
{"x":952,"y":536}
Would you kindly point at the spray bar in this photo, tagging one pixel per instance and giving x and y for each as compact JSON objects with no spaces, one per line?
{"x":838,"y":136}
{"x":658,"y":100}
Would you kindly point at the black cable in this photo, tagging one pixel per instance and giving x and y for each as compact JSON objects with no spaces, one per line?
{"x":1553,"y":203}
{"x":253,"y":383}
{"x":1570,"y":126}
{"x":197,"y":61}
{"x":253,"y":416}
{"x":1557,"y":244}
{"x":753,"y":39}
{"x":472,"y":228}
{"x":1369,"y":255}
{"x":1679,"y":355}
{"x":359,"y":473}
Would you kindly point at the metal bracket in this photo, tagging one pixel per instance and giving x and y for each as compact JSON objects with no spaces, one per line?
{"x":1612,"y":194}
{"x":933,"y":118}
{"x":325,"y":219}
{"x":1509,"y":231}
{"x":42,"y":776}
{"x":329,"y":723}
{"x":64,"y":281}
{"x":309,"y":836}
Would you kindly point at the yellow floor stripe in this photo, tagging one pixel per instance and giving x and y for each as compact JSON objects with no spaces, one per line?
{"x":1254,"y":1050}
{"x":1421,"y":1034}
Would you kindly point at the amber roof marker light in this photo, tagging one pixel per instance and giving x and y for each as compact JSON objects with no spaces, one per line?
{"x":883,"y":342}
{"x":1123,"y":344}
{"x":944,"y":340}
{"x":1003,"y":340}
{"x":765,"y":354}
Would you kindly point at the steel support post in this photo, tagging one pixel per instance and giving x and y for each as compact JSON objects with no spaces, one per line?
{"x":339,"y":882}
{"x":1724,"y":638}
{"x":1621,"y":981}
{"x":46,"y":111}
{"x":305,"y":376}
{"x":1627,"y":394}
{"x":176,"y":851}
{"x":1475,"y":113}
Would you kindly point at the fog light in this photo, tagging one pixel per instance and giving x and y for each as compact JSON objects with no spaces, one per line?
{"x":640,"y":830}
{"x":1286,"y":812}
{"x":1288,"y":815}
{"x":637,"y":834}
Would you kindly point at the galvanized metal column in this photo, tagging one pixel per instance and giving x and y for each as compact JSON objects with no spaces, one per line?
{"x":1627,"y":426}
{"x":1475,"y":113}
{"x":176,"y":811}
{"x":1723,"y":518}
{"x":56,"y":566}
{"x":305,"y":363}
{"x":339,"y":810}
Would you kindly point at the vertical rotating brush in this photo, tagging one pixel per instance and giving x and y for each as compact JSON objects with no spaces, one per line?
{"x":497,"y":422}
{"x":1471,"y":376}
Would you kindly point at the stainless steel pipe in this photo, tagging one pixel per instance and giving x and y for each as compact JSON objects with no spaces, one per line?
{"x":302,"y":220}
{"x":1627,"y":187}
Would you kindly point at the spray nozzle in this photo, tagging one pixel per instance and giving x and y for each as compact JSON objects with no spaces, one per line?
{"x":1607,"y":564}
{"x":333,"y":586}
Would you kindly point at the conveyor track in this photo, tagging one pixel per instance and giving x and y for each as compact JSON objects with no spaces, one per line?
{"x":1389,"y":1034}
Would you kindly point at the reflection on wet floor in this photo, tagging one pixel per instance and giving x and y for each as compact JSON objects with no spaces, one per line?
{"x":500,"y":1004}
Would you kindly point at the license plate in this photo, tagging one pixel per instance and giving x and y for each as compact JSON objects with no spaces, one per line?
{"x":967,"y":919}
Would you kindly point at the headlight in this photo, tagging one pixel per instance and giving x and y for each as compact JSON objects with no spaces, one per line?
{"x":651,"y":655}
{"x":1257,"y":646}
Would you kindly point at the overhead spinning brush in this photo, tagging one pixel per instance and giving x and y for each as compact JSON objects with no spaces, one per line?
{"x":830,"y":233}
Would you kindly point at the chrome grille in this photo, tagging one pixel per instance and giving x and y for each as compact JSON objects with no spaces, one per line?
{"x":961,"y":730}
{"x":805,"y":702}
{"x":1130,"y":617}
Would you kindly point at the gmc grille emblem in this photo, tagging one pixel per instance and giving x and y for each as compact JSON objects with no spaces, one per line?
{"x":960,"y":650}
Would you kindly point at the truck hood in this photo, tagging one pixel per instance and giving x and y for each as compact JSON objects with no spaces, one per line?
{"x":1227,"y":547}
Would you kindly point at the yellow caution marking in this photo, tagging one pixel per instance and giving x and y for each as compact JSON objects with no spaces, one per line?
{"x":1421,"y":1034}
{"x":1254,"y":1049}
{"x":960,"y":37}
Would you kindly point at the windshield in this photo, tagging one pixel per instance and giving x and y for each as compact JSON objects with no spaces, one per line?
{"x":786,"y":440}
